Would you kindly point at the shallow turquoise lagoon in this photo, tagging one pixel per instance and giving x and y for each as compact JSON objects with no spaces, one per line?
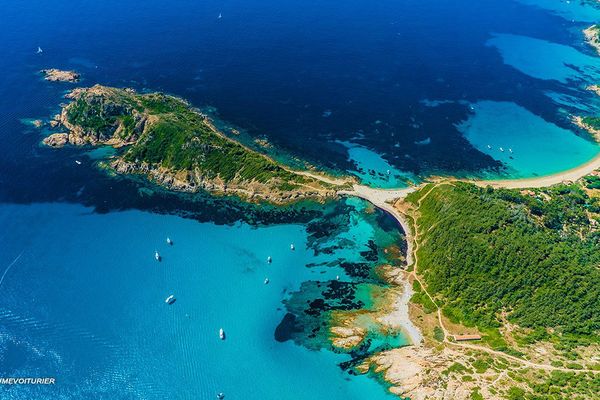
{"x":571,"y":10}
{"x":83,"y":301}
{"x":372,"y":169}
{"x":538,"y":147}
{"x":546,"y":60}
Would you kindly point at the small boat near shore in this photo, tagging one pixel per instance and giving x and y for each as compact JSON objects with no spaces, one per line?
{"x":221,"y":334}
{"x":170,"y":300}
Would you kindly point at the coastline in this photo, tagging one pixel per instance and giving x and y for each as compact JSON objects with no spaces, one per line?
{"x":382,"y":198}
{"x":409,"y":369}
{"x":570,"y":175}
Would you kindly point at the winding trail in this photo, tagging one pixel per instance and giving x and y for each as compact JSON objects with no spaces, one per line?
{"x":385,"y":199}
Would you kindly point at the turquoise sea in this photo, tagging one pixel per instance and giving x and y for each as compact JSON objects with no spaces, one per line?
{"x":410,"y":87}
{"x":83,"y":301}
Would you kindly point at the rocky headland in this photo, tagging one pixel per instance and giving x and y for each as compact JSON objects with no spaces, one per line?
{"x":174,"y":145}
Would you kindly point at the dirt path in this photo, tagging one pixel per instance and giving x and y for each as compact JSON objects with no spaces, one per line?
{"x":384,"y":199}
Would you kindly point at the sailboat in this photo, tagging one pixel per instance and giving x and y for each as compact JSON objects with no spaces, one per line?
{"x":156,"y":255}
{"x":221,"y":334}
{"x":269,"y":259}
{"x":170,"y":300}
{"x":39,"y":50}
{"x":169,"y":241}
{"x":220,"y":16}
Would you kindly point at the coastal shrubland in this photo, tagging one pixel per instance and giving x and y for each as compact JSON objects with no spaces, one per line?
{"x":167,"y":140}
{"x":532,"y":255}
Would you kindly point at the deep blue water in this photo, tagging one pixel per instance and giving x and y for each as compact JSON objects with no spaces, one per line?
{"x":414,"y":87}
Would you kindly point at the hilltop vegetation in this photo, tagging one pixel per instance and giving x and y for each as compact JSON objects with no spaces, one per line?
{"x":532,"y":254}
{"x":175,"y":145}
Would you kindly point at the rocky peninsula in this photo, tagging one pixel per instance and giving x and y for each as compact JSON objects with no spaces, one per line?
{"x":589,"y":123}
{"x":57,"y":75}
{"x":592,"y":36}
{"x":171,"y":143}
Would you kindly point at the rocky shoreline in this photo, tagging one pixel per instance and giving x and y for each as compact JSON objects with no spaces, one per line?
{"x":592,"y":37}
{"x":194,"y":181}
{"x":592,"y":130}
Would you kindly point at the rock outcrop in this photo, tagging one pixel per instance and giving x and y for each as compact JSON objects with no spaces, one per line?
{"x":57,"y":75}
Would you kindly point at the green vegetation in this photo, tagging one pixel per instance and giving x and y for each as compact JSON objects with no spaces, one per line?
{"x":420,"y":297}
{"x":166,"y":132}
{"x":533,"y":255}
{"x":438,"y":334}
{"x":89,"y":116}
{"x":592,"y":182}
{"x":482,"y":364}
{"x":565,"y":385}
{"x":593,"y":122}
{"x":515,"y":393}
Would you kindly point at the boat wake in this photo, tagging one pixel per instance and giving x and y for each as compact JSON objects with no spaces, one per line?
{"x":9,"y":267}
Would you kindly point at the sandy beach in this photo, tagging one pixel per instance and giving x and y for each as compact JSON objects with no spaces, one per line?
{"x":570,"y":175}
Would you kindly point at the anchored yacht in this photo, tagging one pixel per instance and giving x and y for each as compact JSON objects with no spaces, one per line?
{"x":170,"y":300}
{"x":221,"y":334}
